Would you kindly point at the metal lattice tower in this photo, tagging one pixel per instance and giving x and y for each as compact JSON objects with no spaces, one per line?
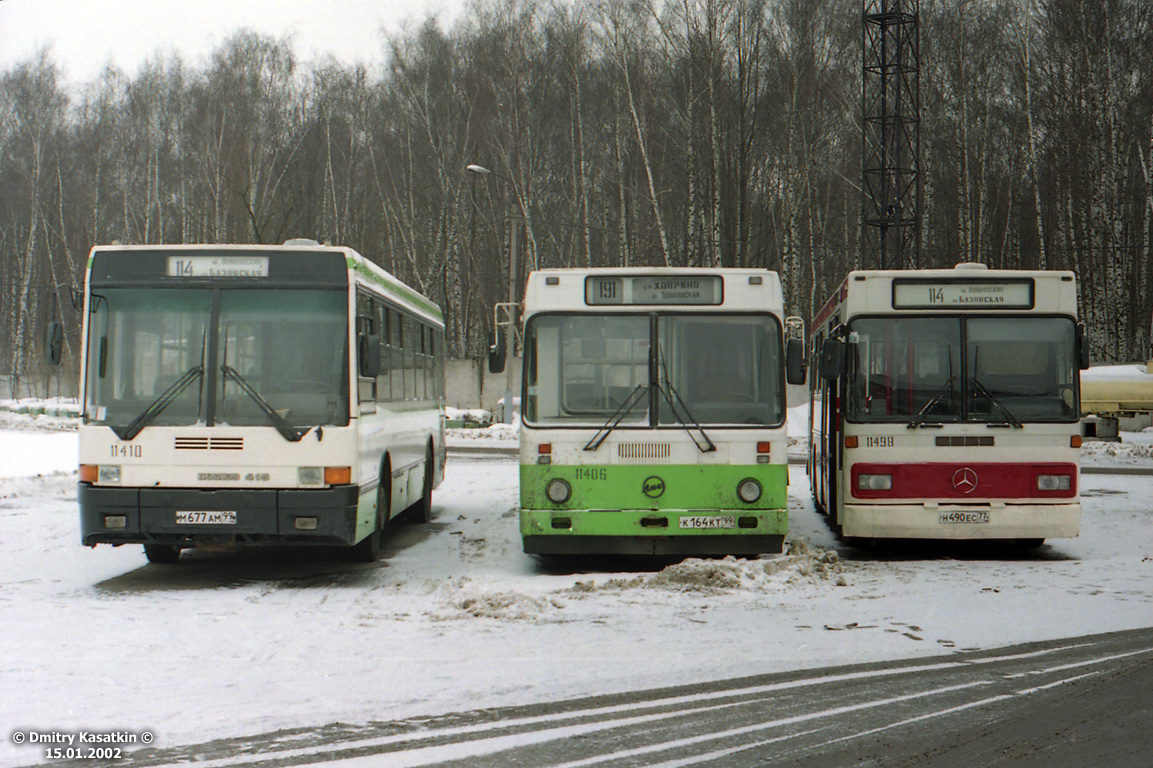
{"x":891,"y":151}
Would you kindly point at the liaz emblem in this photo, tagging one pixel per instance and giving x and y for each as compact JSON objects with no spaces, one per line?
{"x":653,"y":487}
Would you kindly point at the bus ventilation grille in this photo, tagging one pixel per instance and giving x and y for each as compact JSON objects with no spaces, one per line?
{"x":643,"y":451}
{"x":210,"y":443}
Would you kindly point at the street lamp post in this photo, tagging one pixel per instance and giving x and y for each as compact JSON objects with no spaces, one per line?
{"x":511,"y":309}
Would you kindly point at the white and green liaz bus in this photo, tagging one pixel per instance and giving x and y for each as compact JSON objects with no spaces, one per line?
{"x":653,"y":412}
{"x":255,"y":395}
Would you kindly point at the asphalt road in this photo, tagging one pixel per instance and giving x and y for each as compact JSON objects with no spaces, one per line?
{"x":1075,"y":702}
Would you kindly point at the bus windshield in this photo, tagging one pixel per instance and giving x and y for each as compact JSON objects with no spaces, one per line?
{"x":584,"y":370}
{"x":289,"y":346}
{"x":1004,"y":370}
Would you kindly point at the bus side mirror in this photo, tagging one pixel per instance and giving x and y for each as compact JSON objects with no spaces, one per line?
{"x":497,"y":351}
{"x":832,"y":362}
{"x":54,"y":342}
{"x":794,"y":350}
{"x":368,"y":354}
{"x":1083,"y":346}
{"x":795,"y":361}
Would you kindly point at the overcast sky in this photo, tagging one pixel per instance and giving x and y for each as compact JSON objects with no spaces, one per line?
{"x":87,"y":34}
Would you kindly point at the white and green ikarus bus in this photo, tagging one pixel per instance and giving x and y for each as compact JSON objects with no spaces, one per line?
{"x":653,"y":412}
{"x":255,"y":395}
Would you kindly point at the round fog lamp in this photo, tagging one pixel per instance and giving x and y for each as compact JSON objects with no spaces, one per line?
{"x":749,"y":490}
{"x":558,"y":491}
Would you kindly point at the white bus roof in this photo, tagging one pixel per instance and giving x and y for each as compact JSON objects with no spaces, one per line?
{"x":875,"y":291}
{"x":363,"y":270}
{"x":744,"y":289}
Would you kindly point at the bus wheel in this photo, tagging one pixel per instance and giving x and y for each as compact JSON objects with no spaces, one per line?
{"x":161,"y":553}
{"x":832,"y":517}
{"x":367,"y":550}
{"x":421,"y":511}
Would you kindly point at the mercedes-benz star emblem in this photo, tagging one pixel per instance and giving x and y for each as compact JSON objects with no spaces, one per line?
{"x":965,"y":480}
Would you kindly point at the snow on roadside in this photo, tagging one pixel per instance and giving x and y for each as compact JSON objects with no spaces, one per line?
{"x":1130,"y":450}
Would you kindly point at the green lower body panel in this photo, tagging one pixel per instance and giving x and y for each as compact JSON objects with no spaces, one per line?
{"x":655,"y":510}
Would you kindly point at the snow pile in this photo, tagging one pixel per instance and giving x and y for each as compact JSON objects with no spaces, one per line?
{"x":1126,"y":450}
{"x":53,"y":485}
{"x":802,"y":565}
{"x":494,"y":436}
{"x":62,"y":407}
{"x":463,"y":600}
{"x":53,"y":415}
{"x":471,"y":417}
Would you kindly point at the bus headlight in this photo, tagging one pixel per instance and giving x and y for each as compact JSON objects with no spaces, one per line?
{"x":874,"y":482}
{"x":310,"y":475}
{"x":558,"y":491}
{"x":109,"y":473}
{"x":749,"y":490}
{"x":1054,"y":482}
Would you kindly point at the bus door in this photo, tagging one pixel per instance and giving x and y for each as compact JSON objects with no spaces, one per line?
{"x":831,"y":367}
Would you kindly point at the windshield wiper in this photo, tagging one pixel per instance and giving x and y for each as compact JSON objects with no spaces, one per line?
{"x":992,"y":399}
{"x":919,"y":419}
{"x":688,"y":420}
{"x":618,"y":416}
{"x":290,"y":432}
{"x":159,"y":404}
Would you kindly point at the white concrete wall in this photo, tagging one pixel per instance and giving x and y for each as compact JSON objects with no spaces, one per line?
{"x":468,"y":384}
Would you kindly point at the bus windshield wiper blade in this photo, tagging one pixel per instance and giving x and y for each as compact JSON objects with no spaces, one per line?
{"x":919,"y":419}
{"x":159,"y":404}
{"x":669,"y":391}
{"x":993,"y":399}
{"x":618,"y":416}
{"x":290,"y":432}
{"x":688,"y":421}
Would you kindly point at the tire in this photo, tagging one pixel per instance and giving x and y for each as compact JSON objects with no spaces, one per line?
{"x":421,"y":511}
{"x":162,"y":554}
{"x":367,"y":550}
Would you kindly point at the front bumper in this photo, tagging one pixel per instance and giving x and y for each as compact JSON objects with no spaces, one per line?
{"x":922,"y":521}
{"x":651,"y":532}
{"x":263,"y":516}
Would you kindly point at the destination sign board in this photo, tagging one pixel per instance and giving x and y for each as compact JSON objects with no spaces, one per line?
{"x":217,"y":266}
{"x":654,"y":290}
{"x":971,"y":294}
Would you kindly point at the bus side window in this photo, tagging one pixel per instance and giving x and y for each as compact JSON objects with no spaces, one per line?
{"x":384,"y":378}
{"x":365,"y":329}
{"x":396,"y":371}
{"x":422,"y":365}
{"x":408,"y":339}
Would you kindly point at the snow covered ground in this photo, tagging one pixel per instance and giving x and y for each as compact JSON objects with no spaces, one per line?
{"x":456,"y":617}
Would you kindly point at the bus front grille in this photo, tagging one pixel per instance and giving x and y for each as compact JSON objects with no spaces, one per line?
{"x":210,"y":443}
{"x":643,"y":452}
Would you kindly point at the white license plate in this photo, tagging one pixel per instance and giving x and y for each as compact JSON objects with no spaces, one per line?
{"x":709,"y":521}
{"x":215,"y":517}
{"x":950,"y":518}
